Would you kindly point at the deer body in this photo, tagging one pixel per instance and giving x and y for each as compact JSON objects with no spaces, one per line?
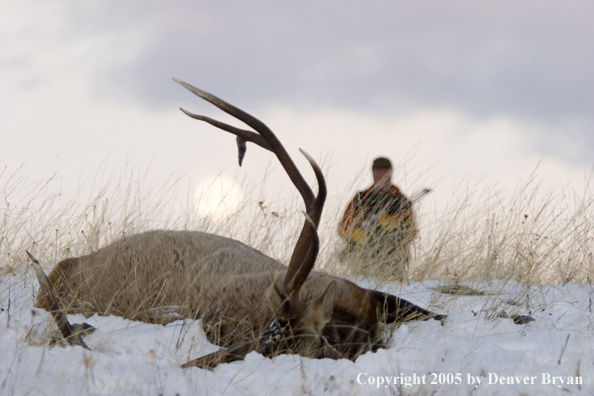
{"x":247,"y":300}
{"x":142,"y":276}
{"x":162,"y":276}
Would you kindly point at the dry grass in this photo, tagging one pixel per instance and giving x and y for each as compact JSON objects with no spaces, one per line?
{"x":529,"y":236}
{"x":35,"y":215}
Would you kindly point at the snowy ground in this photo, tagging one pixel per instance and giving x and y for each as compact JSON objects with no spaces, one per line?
{"x":137,"y":358}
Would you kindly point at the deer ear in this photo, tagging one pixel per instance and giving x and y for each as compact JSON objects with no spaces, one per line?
{"x":323,"y":307}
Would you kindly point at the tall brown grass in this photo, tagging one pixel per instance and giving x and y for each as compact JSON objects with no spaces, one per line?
{"x":528,"y":235}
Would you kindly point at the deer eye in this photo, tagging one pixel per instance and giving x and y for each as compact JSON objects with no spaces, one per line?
{"x":275,"y":331}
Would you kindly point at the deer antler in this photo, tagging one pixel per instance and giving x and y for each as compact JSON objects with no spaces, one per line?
{"x":299,"y":270}
{"x":307,"y":247}
{"x":71,"y":333}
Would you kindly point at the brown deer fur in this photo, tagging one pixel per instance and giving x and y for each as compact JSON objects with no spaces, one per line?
{"x":162,"y":276}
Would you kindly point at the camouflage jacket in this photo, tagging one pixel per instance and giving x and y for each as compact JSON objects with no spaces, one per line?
{"x":373,"y":213}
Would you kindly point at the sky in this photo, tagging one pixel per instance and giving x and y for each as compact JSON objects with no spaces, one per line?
{"x":455,"y":93}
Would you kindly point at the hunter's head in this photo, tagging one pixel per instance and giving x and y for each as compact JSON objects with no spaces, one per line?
{"x":382,"y":172}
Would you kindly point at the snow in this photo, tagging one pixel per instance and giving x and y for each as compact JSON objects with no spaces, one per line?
{"x":133,"y":358}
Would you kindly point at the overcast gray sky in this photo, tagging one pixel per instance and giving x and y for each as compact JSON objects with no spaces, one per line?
{"x":448,"y":90}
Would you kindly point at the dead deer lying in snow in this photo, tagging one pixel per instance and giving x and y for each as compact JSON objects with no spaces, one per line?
{"x":246,"y":300}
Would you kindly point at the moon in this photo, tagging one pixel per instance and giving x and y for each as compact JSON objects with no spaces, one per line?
{"x":217,"y":197}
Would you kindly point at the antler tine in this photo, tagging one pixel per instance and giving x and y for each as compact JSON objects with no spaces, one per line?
{"x":242,"y":133}
{"x":275,"y":144}
{"x":45,"y":287}
{"x":306,"y":251}
{"x":316,"y":209}
{"x":297,"y":274}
